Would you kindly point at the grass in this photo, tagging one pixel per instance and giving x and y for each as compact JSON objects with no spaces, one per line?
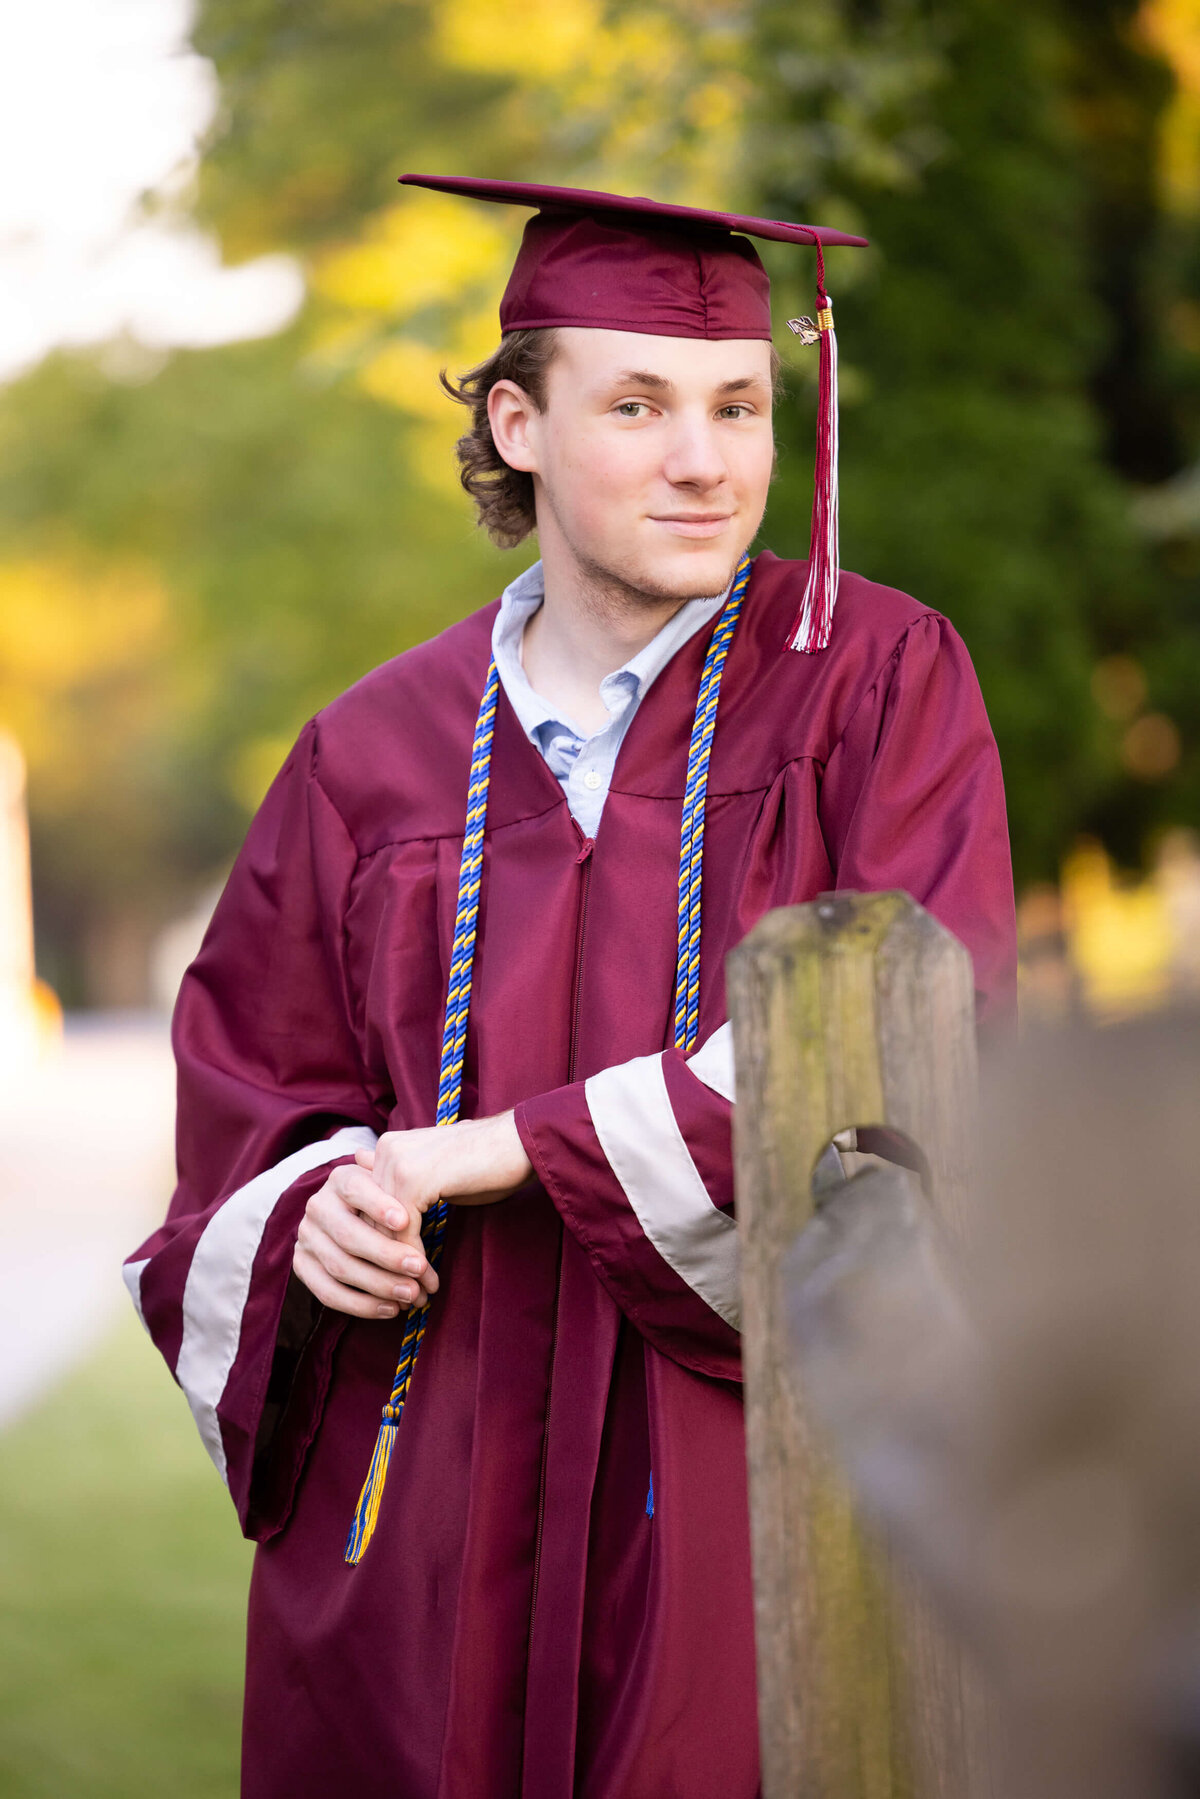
{"x":122,"y":1593}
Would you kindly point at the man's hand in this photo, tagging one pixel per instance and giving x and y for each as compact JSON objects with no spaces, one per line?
{"x":358,"y":1249}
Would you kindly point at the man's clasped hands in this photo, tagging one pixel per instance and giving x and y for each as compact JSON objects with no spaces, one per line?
{"x":359,"y":1249}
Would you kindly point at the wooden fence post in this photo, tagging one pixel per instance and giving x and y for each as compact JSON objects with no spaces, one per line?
{"x":854,"y":1010}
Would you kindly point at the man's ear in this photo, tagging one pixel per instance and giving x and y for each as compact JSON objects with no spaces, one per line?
{"x":512,"y":415}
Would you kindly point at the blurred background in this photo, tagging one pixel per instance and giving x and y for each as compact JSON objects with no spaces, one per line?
{"x":227,"y":490}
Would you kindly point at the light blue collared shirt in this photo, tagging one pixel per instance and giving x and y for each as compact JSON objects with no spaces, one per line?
{"x":582,"y":764}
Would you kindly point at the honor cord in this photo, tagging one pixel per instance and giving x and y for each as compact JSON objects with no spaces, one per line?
{"x":458,"y":996}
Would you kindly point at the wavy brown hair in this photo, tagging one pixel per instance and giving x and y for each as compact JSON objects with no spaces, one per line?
{"x":503,"y":496}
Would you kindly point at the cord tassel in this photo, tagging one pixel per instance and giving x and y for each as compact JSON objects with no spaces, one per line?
{"x":366,"y":1513}
{"x":812,"y":625}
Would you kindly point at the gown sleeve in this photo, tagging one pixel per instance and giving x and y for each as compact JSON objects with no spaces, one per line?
{"x":270,"y":1097}
{"x":638,"y":1159}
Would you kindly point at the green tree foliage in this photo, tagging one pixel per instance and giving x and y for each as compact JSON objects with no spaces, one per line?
{"x":1008,"y":373}
{"x":1138,"y":133}
{"x":297,"y":549}
{"x":971,"y":449}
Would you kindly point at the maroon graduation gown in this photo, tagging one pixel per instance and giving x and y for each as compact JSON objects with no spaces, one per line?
{"x":520,"y":1626}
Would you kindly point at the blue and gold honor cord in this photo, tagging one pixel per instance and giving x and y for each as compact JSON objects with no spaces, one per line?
{"x":454,"y":1041}
{"x":691,"y":838}
{"x":458,"y":996}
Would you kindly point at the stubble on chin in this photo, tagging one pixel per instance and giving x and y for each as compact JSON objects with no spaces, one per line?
{"x":618,"y":586}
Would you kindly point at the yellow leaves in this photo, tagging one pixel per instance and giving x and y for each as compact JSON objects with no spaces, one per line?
{"x":539,"y":39}
{"x":425,"y":250}
{"x":404,"y":371}
{"x":253,"y":767}
{"x":629,"y":51}
{"x":1120,"y":934}
{"x":715,"y":106}
{"x":69,"y":632}
{"x":404,"y":374}
{"x":1181,"y":154}
{"x":1115,"y":943}
{"x":1173,"y":26}
{"x":1173,"y":29}
{"x":646,"y":99}
{"x":60,"y":624}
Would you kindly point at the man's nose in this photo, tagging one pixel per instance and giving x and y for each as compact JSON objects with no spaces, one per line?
{"x":694,"y":457}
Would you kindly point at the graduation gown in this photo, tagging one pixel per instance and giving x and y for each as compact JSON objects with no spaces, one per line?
{"x":521,"y":1627}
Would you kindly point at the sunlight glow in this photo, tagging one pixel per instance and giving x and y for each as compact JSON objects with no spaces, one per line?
{"x":103,"y":108}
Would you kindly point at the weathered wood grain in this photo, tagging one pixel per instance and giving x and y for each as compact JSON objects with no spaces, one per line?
{"x":855,"y":1010}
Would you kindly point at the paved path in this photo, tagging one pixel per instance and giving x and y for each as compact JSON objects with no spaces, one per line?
{"x":85,"y":1173}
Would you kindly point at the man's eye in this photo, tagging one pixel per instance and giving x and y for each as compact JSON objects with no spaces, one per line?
{"x":630,"y":408}
{"x":734,"y":412}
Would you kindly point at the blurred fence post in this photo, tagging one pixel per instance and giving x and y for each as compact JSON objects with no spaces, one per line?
{"x":855,"y":1010}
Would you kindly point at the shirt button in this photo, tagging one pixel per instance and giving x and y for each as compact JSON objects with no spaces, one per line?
{"x":591,"y":779}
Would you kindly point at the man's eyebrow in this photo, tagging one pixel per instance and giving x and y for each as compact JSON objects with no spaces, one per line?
{"x":742,"y":384}
{"x":642,"y":378}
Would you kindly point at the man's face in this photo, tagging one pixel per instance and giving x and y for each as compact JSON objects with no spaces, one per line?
{"x":652,"y":459}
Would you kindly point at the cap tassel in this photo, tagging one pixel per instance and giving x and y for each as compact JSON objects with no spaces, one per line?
{"x":811,"y":627}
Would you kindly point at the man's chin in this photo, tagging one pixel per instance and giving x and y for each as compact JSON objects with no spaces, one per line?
{"x":691,"y":571}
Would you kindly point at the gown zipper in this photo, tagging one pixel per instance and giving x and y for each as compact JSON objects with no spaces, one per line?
{"x":583,"y":860}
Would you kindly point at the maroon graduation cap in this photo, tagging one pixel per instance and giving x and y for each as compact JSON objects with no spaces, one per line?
{"x":624,"y":263}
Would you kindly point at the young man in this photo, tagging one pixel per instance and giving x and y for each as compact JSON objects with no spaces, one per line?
{"x":546,"y":1587}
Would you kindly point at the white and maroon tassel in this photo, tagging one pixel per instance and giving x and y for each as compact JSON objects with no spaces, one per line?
{"x":810,"y":630}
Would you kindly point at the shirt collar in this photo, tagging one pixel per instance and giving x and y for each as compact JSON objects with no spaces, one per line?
{"x":518,"y":603}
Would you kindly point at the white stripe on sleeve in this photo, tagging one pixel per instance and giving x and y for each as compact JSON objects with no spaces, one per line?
{"x":131,"y":1274}
{"x":218,"y":1281}
{"x":713,"y":1062}
{"x":634,"y":1120}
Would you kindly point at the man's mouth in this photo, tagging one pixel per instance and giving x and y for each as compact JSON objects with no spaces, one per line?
{"x":693,"y":524}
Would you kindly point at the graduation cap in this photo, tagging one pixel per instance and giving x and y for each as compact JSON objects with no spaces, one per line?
{"x":622,"y":263}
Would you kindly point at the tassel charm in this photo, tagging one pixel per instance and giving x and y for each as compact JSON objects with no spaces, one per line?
{"x":811,"y":627}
